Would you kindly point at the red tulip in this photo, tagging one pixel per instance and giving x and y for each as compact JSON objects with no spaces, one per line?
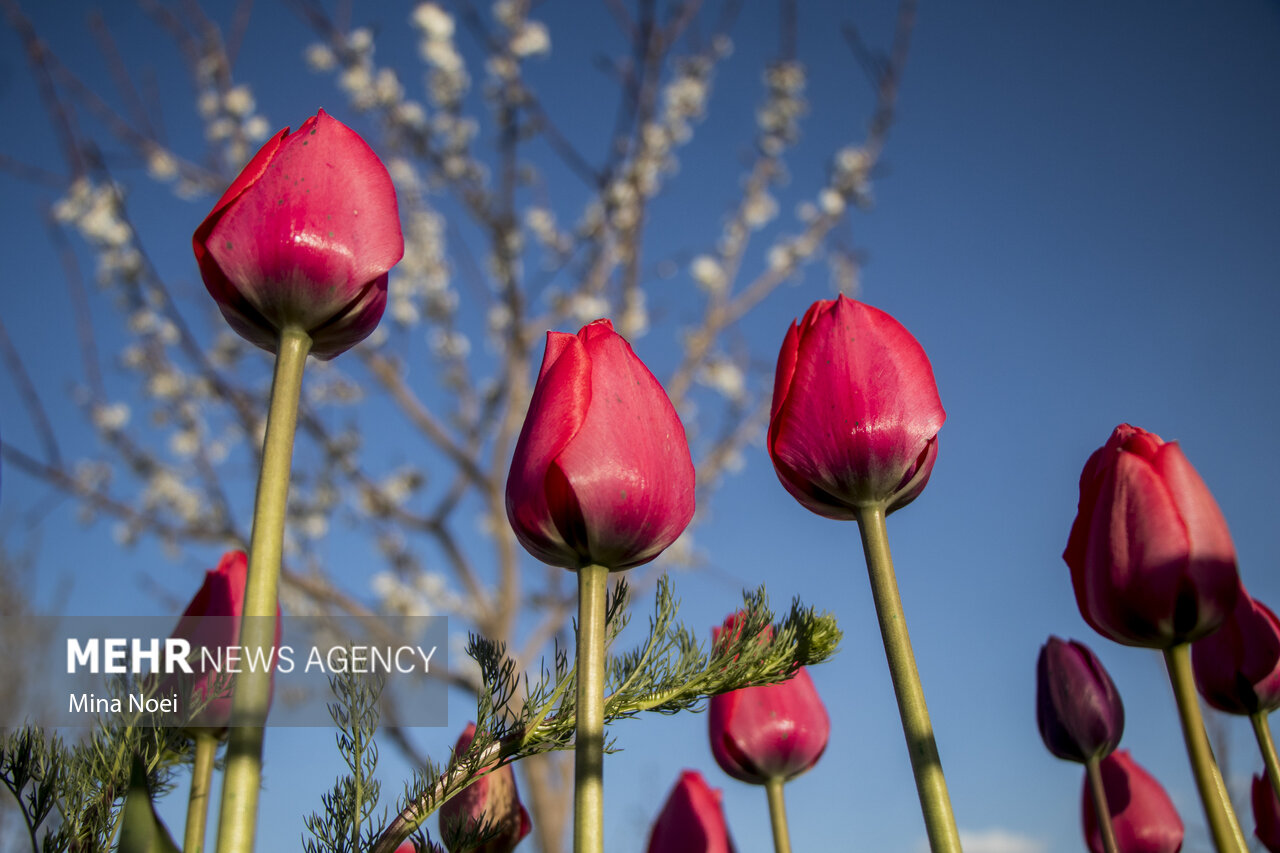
{"x":856,"y":412}
{"x":212,"y":621}
{"x":1237,"y":667}
{"x":1150,"y":555}
{"x":305,"y":235}
{"x":1266,"y":814}
{"x":602,"y":473}
{"x":1078,"y":708}
{"x":692,"y":821}
{"x":776,"y":731}
{"x":491,"y":799}
{"x":1142,"y":814}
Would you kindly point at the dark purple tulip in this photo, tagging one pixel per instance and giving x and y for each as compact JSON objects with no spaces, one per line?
{"x":1077,"y":706}
{"x":1266,"y":814}
{"x":1237,"y":667}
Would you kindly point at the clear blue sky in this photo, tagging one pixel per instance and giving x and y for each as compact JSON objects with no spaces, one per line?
{"x":1079,"y":219}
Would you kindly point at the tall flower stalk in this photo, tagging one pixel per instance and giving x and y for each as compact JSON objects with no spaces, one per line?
{"x":206,"y":745}
{"x":926,"y":765}
{"x":296,"y":253}
{"x":1152,"y":564}
{"x":242,"y":780}
{"x":767,"y":735}
{"x":1080,"y":717}
{"x":601,"y":481}
{"x":853,"y":435}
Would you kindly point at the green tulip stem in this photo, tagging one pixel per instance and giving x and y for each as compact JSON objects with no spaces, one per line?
{"x":243,"y":777}
{"x":1221,"y":817}
{"x":588,"y":752}
{"x":1093,"y":772}
{"x":778,"y":814}
{"x":198,"y":800}
{"x":1262,"y":729}
{"x":931,"y":785}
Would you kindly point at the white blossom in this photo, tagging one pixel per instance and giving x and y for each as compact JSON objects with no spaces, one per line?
{"x":831,"y":202}
{"x":111,"y":417}
{"x":532,"y":39}
{"x":435,"y":22}
{"x":726,"y":377}
{"x":238,"y":101}
{"x":161,"y":165}
{"x":708,"y":273}
{"x":320,"y":57}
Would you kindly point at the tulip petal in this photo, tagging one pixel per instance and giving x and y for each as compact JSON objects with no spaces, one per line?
{"x":1237,"y":667}
{"x":785,"y":370}
{"x":629,"y":464}
{"x":493,"y":798}
{"x":1143,"y":816}
{"x":556,"y":413}
{"x":212,"y":621}
{"x":1266,"y":813}
{"x":692,"y":820}
{"x":1138,"y":547}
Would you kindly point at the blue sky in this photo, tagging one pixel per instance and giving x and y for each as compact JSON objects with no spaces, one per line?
{"x":1078,"y":219}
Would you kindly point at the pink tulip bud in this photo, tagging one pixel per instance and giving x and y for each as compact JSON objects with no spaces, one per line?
{"x":1142,"y":814}
{"x":692,"y":821}
{"x":1150,"y":555}
{"x":1266,"y":813}
{"x":304,"y":236}
{"x":1237,"y":667}
{"x":856,"y":412}
{"x":602,"y":473}
{"x":212,"y":621}
{"x":776,"y":731}
{"x":491,"y":799}
{"x":1078,"y":708}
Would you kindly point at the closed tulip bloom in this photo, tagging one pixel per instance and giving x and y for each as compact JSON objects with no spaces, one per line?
{"x":304,"y":236}
{"x":855,"y":414}
{"x":212,"y":621}
{"x":1142,"y":814}
{"x":1266,"y":814}
{"x":602,"y":473}
{"x":692,"y":821}
{"x":1237,"y":667}
{"x":1151,"y":559}
{"x":1078,"y":708}
{"x":491,"y":799}
{"x":775,"y":731}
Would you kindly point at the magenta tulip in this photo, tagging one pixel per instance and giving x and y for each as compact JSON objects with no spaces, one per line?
{"x":856,"y":412}
{"x":212,"y":621}
{"x":1144,"y":818}
{"x":1266,"y":814}
{"x":1078,"y":708}
{"x":692,"y":821}
{"x":1237,"y":667}
{"x":1151,"y":558}
{"x":491,"y":799}
{"x":602,"y":473}
{"x":304,"y":236}
{"x":776,"y":731}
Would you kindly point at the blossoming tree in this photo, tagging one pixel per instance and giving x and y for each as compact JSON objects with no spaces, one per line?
{"x":517,"y":218}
